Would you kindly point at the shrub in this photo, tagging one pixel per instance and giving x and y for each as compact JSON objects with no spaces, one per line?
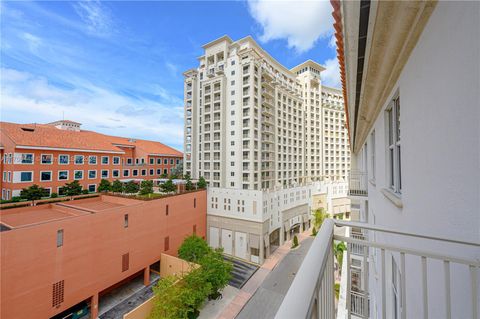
{"x":131,"y":187}
{"x":201,"y":183}
{"x":314,"y":231}
{"x":146,"y":187}
{"x":72,"y":189}
{"x":84,"y":191}
{"x":16,"y":199}
{"x":53,"y":195}
{"x":33,"y":193}
{"x":168,"y":186}
{"x":295,"y":241}
{"x":117,"y":186}
{"x":104,"y":185}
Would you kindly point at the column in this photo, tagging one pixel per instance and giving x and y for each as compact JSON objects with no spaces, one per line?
{"x":146,"y":276}
{"x":94,"y":306}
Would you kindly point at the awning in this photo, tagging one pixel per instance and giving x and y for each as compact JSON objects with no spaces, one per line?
{"x":286,"y":225}
{"x":254,"y":241}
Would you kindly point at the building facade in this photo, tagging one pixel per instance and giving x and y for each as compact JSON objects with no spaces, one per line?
{"x":251,"y":129}
{"x":413,"y":112}
{"x":57,"y":256}
{"x":53,"y":154}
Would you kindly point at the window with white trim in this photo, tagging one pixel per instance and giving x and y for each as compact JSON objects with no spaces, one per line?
{"x":115,"y":173}
{"x":78,"y":175}
{"x":26,"y":176}
{"x":45,"y":176}
{"x":104,"y":173}
{"x":63,"y":159}
{"x":78,"y":159}
{"x":92,"y":160}
{"x":394,"y":146}
{"x":62,"y":175}
{"x":105,"y":160}
{"x":126,"y":172}
{"x":92,"y":174}
{"x":116,"y":160}
{"x":27,"y":158}
{"x":92,"y":188}
{"x":47,"y":159}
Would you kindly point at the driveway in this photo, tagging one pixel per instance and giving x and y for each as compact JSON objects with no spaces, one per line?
{"x":268,"y":297}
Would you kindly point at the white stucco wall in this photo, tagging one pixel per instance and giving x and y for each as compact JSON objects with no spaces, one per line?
{"x":440,"y":137}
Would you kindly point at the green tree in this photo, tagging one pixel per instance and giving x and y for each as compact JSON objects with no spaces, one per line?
{"x":146,"y":187}
{"x":167,"y":303}
{"x":188,"y":183}
{"x":33,"y":193}
{"x":196,"y":290}
{"x":168,"y":186}
{"x":319,"y":215}
{"x":295,"y":241}
{"x":164,"y":175}
{"x":193,"y":249}
{"x":117,"y":186}
{"x":338,"y":249}
{"x":218,"y":270}
{"x":314,"y":231}
{"x":201,"y":183}
{"x":131,"y":187}
{"x":104,"y":185}
{"x":72,"y":189}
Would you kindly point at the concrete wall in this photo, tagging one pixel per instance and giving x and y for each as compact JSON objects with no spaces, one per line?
{"x":90,"y":259}
{"x":440,"y":156}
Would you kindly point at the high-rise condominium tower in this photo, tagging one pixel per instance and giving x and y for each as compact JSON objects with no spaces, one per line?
{"x":255,"y":131}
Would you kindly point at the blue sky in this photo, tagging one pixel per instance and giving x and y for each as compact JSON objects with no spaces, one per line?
{"x":117,"y":66}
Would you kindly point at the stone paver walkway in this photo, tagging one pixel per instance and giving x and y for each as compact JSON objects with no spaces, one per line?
{"x":232,"y":310}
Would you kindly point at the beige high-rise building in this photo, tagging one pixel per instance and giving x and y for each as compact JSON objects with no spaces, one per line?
{"x":255,"y":131}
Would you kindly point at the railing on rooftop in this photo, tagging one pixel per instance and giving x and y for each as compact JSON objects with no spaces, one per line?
{"x":358,"y":183}
{"x":311,"y":294}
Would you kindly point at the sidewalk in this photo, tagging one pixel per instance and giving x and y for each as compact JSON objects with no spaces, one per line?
{"x":244,"y":295}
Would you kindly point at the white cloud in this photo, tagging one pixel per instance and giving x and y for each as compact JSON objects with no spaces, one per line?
{"x":333,"y":42}
{"x":37,"y":100}
{"x":331,"y":76}
{"x":301,"y":23}
{"x":32,"y":41}
{"x":97,"y":18}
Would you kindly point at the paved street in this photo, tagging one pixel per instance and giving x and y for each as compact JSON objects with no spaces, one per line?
{"x":268,"y":297}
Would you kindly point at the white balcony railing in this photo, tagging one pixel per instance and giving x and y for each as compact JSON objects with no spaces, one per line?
{"x":358,"y":185}
{"x":311,"y":294}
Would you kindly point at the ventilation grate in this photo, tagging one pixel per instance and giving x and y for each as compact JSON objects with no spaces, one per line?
{"x":58,"y":293}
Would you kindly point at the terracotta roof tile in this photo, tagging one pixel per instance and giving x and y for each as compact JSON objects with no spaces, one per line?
{"x":43,"y":135}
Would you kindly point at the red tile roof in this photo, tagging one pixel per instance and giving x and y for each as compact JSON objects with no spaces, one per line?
{"x":48,"y":136}
{"x":337,"y":15}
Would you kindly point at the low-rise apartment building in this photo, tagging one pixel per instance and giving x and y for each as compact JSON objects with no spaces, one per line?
{"x":56,"y":256}
{"x":53,"y":154}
